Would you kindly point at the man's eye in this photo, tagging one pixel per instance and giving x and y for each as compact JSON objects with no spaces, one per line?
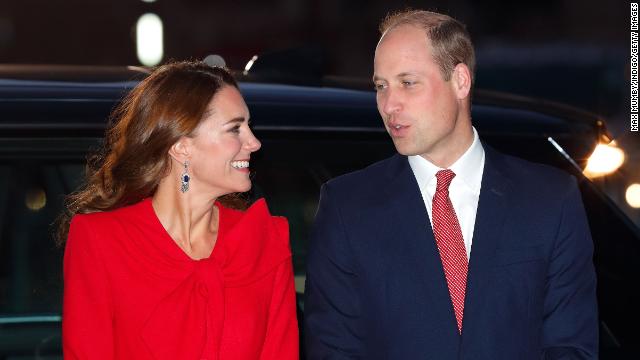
{"x":408,"y":83}
{"x":378,"y":87}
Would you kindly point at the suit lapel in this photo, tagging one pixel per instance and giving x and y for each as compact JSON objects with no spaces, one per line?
{"x":415,"y":232}
{"x":492,"y":208}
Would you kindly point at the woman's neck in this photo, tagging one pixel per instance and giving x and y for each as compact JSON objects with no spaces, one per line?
{"x":190,"y":220}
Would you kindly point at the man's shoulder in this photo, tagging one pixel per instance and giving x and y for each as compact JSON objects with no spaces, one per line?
{"x":527,"y":174}
{"x":368,"y":178}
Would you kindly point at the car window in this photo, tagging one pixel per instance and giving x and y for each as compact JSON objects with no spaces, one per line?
{"x":31,"y":192}
{"x":30,"y":200}
{"x":289,"y":172}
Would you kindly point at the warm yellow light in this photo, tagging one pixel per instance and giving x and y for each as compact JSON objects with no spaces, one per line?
{"x":606,"y":158}
{"x":35,"y":199}
{"x":633,"y":195}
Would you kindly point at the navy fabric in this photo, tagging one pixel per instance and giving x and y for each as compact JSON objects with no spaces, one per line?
{"x":376,"y":289}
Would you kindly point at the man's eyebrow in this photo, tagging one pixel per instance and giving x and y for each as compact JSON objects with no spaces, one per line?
{"x":401,"y":75}
{"x":404,"y":74}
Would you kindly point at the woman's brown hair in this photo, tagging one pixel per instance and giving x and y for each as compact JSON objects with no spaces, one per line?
{"x":162,"y":108}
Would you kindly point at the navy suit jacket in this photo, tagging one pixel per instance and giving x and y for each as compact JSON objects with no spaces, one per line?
{"x":375,"y":286}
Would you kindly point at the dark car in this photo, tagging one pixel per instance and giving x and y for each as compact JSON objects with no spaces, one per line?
{"x":52,"y":117}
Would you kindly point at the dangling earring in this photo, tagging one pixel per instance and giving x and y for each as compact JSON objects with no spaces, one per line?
{"x":184,"y":178}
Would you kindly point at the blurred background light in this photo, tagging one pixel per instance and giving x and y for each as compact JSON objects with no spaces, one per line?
{"x":149,"y":42}
{"x":250,"y":64}
{"x":605,"y":159}
{"x":633,"y":196}
{"x":35,"y":199}
{"x":149,"y":1}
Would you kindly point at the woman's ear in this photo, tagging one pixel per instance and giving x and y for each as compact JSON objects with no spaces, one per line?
{"x":180,"y":151}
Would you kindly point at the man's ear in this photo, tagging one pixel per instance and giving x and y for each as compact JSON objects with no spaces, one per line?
{"x":461,"y":78}
{"x":180,"y":151}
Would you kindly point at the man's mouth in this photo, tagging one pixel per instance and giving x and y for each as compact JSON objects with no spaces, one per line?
{"x":397,"y":130}
{"x":395,"y":125}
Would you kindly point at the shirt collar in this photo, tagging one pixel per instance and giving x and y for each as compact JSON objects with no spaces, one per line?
{"x":468,"y":168}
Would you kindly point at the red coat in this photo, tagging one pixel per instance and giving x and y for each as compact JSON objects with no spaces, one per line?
{"x":131,"y":293}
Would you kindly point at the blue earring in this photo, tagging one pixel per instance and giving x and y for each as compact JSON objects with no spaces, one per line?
{"x":184,"y":178}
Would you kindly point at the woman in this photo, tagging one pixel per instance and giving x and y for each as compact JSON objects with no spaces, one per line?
{"x":158,"y":264}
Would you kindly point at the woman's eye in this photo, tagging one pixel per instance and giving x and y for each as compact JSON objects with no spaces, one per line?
{"x":235,"y":129}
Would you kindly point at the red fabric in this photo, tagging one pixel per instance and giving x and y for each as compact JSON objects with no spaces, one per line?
{"x":446,"y":230}
{"x":131,"y":293}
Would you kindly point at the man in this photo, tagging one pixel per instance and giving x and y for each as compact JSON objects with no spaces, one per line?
{"x":449,"y":249}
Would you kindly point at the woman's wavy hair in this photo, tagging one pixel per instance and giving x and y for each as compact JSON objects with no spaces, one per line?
{"x":165,"y":106}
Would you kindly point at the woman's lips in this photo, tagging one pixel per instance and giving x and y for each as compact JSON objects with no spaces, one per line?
{"x":240,"y":165}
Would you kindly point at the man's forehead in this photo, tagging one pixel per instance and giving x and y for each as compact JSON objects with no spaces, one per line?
{"x":400,"y":45}
{"x":405,"y":32}
{"x":407,"y":43}
{"x":402,"y":57}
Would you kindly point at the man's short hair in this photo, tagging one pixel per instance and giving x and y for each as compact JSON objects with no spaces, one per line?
{"x":450,"y":40}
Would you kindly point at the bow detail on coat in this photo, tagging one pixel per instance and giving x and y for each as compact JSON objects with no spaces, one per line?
{"x":252,"y":244}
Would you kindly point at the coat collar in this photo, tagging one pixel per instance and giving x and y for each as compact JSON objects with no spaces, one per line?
{"x":495,"y":194}
{"x":406,"y":207}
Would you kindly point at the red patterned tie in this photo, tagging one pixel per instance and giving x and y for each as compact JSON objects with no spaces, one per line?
{"x":446,"y":229}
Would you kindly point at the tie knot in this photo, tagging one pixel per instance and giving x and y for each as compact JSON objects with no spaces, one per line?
{"x":444,"y":178}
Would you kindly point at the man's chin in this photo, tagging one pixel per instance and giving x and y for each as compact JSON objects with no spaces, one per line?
{"x":405,"y":150}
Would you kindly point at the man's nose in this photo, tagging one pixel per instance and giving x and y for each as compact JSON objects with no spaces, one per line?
{"x":391,"y":102}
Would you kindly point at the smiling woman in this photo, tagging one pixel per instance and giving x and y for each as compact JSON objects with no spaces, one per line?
{"x":220,"y":147}
{"x":159,"y":263}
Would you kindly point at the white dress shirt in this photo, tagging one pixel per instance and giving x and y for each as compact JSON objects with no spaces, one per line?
{"x":464,"y":190}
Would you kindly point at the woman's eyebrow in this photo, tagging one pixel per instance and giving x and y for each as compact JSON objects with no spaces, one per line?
{"x":238,"y":119}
